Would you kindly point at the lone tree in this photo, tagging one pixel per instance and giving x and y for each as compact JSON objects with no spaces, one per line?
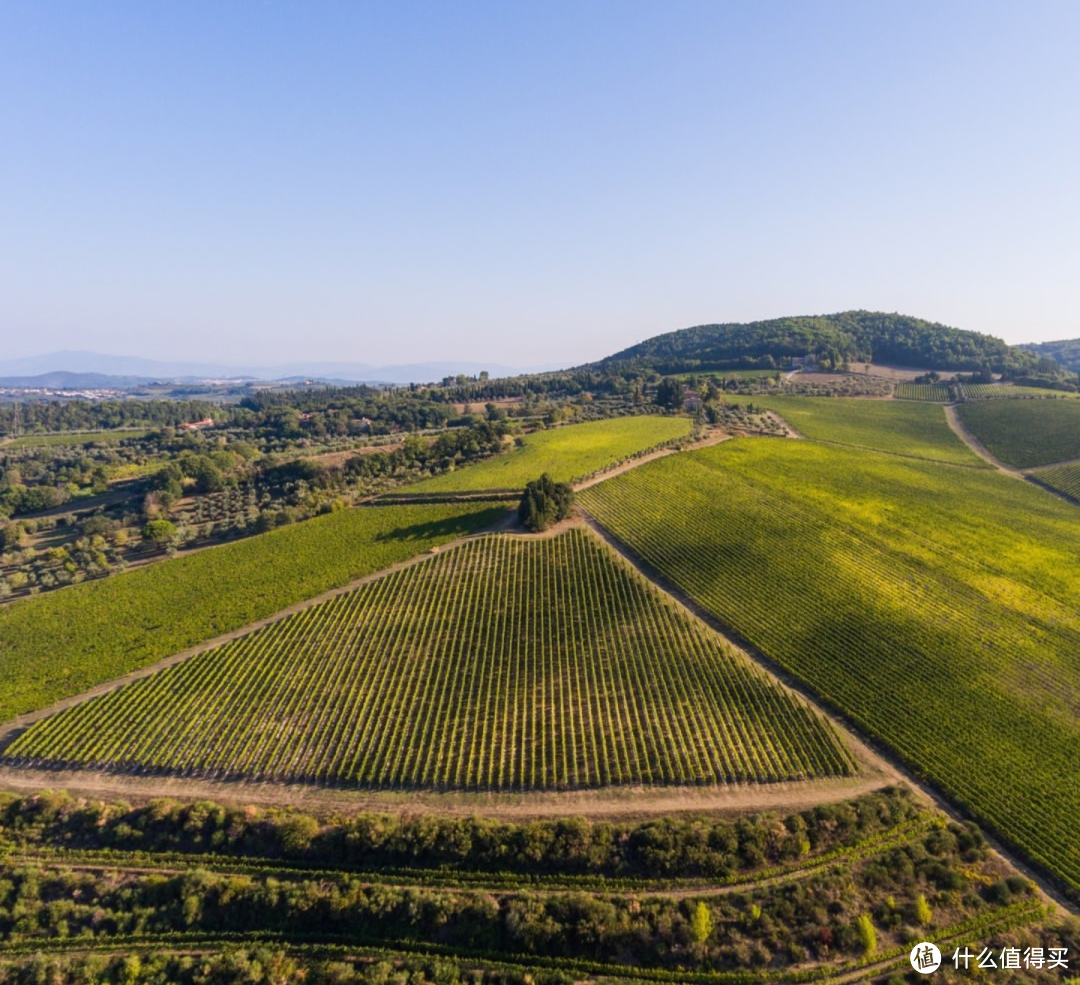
{"x":159,"y":532}
{"x":545,"y":502}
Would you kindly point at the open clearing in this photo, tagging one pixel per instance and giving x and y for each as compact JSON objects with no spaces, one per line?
{"x":504,"y":664}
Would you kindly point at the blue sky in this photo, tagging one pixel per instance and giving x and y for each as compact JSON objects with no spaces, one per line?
{"x":530,"y":182}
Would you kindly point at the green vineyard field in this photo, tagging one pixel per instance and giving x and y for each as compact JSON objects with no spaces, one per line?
{"x":901,"y":427}
{"x":857,"y":572}
{"x":935,"y":392}
{"x":61,"y":643}
{"x":564,"y":452}
{"x":504,"y":664}
{"x":1064,"y":478}
{"x":1026,"y":433}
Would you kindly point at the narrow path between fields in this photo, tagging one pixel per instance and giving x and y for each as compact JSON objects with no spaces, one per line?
{"x":960,"y":429}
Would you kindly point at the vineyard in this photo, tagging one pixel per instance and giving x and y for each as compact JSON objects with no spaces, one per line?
{"x":56,"y":645}
{"x":857,"y":573}
{"x":565,"y":453}
{"x":1026,"y":433}
{"x":504,"y":664}
{"x":1064,"y":478}
{"x":902,"y":428}
{"x":940,"y":393}
{"x":991,"y":391}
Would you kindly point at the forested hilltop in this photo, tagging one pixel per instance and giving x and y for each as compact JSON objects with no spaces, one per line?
{"x":1065,"y":352}
{"x":850,"y":336}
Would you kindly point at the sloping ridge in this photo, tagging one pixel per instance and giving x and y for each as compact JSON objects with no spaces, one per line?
{"x":506,"y":664}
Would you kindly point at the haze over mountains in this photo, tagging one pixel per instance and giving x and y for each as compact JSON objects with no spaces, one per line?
{"x":834,"y":339}
{"x":81,"y":369}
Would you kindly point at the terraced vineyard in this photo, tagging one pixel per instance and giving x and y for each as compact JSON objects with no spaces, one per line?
{"x":1026,"y":433}
{"x":565,"y":453}
{"x":504,"y":664}
{"x":856,"y":571}
{"x":900,"y":427}
{"x":935,"y":392}
{"x":1064,"y":478}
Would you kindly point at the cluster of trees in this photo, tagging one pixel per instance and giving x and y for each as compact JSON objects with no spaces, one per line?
{"x":668,"y":847}
{"x":258,"y":966}
{"x":839,"y":909}
{"x":545,"y":502}
{"x":102,"y":415}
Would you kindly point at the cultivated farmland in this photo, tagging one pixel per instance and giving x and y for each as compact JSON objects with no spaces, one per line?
{"x":1026,"y":433}
{"x":935,"y":392}
{"x":565,"y":453}
{"x":901,"y":427}
{"x":504,"y":664}
{"x":59,"y":644}
{"x":1064,"y":478}
{"x":857,"y":572}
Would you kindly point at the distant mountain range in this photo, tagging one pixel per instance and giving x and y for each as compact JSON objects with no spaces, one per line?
{"x":81,"y":370}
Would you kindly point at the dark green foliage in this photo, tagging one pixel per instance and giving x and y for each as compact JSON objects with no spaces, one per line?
{"x":545,"y":502}
{"x":667,"y":847}
{"x":832,"y":339}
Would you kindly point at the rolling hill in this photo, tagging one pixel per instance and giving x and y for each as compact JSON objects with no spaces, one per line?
{"x":833,"y":339}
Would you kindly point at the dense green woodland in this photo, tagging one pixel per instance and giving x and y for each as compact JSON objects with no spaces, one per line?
{"x":834,"y":339}
{"x":202,"y":893}
{"x":1066,"y":352}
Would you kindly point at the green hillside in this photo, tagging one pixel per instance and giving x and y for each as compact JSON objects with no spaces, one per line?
{"x":900,"y":427}
{"x":565,"y":453}
{"x":1026,"y":433}
{"x":833,"y":339}
{"x":934,"y":605}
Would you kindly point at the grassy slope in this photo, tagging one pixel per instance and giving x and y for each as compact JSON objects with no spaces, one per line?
{"x":59,"y":644}
{"x":565,"y":453}
{"x":936,"y":606}
{"x":901,"y":427}
{"x":1026,"y":433}
{"x":504,"y":664}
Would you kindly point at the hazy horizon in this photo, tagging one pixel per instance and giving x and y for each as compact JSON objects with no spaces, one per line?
{"x":528,"y":184}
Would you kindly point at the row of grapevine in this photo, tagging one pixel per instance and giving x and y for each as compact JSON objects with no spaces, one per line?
{"x":505,"y":664}
{"x":935,"y":392}
{"x":847,"y":569}
{"x":62,"y":643}
{"x":1063,"y":478}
